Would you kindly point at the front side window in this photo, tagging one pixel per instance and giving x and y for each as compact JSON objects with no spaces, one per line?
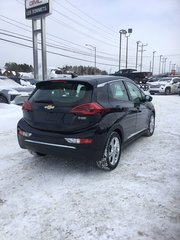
{"x":134,"y":91}
{"x":118,"y":91}
{"x":165,"y":79}
{"x":176,"y":80}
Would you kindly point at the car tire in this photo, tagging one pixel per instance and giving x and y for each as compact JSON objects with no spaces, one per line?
{"x":111,"y":153}
{"x":37,"y":153}
{"x":151,"y":93}
{"x":3,"y":99}
{"x":167,"y":91}
{"x":151,"y":126}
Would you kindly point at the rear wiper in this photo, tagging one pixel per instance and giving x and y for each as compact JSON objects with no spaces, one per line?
{"x":44,"y":101}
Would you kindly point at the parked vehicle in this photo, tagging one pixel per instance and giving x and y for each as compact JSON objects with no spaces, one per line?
{"x":137,"y":77}
{"x":166,"y":85}
{"x":89,"y":116}
{"x":25,"y":81}
{"x":20,"y":99}
{"x":28,"y":81}
{"x":9,"y":89}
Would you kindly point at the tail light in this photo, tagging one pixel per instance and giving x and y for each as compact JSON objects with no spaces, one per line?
{"x":27,"y":106}
{"x":79,"y":140}
{"x":23,"y":133}
{"x":88,"y":109}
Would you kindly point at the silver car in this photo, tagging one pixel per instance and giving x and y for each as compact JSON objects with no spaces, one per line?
{"x":9,"y":89}
{"x":165,"y":85}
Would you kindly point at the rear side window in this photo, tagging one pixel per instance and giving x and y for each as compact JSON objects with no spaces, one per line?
{"x":67,"y":93}
{"x":117,"y":91}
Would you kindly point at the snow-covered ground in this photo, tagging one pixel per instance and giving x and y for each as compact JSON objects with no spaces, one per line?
{"x":49,"y":198}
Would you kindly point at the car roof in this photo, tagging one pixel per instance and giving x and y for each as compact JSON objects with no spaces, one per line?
{"x":91,"y":79}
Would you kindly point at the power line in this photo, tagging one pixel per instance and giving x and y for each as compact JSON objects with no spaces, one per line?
{"x":14,"y":25}
{"x":25,"y":38}
{"x":92,"y":24}
{"x":84,"y":13}
{"x":57,"y":37}
{"x":82,"y":33}
{"x":55,"y":53}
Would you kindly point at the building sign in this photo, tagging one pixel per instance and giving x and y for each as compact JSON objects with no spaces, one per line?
{"x":37,"y":8}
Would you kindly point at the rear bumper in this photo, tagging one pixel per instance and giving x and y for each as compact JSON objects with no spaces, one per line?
{"x":54,"y":143}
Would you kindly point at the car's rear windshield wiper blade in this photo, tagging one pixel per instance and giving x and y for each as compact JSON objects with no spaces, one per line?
{"x":44,"y":101}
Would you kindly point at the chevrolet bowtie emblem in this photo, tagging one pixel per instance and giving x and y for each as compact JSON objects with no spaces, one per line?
{"x":49,"y":107}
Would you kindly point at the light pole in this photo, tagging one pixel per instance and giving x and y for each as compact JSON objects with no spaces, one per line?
{"x":138,"y":42}
{"x":160,"y":63}
{"x":153,"y":62}
{"x":122,"y":31}
{"x":127,"y":36}
{"x":94,"y":52}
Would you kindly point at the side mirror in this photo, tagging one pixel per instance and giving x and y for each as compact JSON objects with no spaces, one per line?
{"x":148,"y":98}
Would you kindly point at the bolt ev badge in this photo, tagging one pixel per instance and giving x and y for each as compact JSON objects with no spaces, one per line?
{"x":49,"y":107}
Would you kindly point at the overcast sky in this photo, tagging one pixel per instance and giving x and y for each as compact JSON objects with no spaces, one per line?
{"x":74,"y":23}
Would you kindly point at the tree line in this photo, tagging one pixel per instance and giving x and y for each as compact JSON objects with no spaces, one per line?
{"x":12,"y":68}
{"x":83,"y":70}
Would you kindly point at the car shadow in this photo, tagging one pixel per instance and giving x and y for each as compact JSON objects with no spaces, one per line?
{"x":59,"y":164}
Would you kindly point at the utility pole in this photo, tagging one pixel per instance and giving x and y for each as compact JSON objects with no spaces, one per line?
{"x":153,"y":62}
{"x":170,"y":67}
{"x":162,"y":71}
{"x":137,"y":54}
{"x":94,"y":48}
{"x":160,"y":63}
{"x":177,"y":68}
{"x":150,"y":67}
{"x":142,"y":50}
{"x":164,"y":65}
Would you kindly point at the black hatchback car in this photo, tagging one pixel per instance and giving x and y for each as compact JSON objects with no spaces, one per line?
{"x":87,"y":116}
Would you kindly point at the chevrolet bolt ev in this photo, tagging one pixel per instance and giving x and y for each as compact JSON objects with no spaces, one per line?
{"x":88,"y":116}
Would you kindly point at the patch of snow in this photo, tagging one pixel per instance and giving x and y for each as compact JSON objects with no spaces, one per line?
{"x":9,"y":116}
{"x":53,"y":198}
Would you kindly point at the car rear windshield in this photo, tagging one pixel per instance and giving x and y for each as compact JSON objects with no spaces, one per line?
{"x":66,"y":93}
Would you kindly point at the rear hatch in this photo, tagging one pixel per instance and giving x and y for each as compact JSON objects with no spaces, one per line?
{"x":51,"y":106}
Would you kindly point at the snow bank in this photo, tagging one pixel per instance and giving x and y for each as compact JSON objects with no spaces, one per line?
{"x":9,"y":116}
